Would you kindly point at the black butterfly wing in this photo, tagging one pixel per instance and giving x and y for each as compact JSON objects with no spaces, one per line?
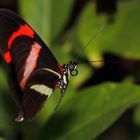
{"x":40,"y":86}
{"x":36,"y":83}
{"x":14,"y":86}
{"x":22,"y":47}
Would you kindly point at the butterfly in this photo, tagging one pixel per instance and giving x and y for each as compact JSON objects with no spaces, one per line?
{"x":34,"y":72}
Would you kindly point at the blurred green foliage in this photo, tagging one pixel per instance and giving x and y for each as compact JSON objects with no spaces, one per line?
{"x":84,"y":114}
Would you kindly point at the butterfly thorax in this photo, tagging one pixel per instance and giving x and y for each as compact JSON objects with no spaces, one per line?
{"x":68,"y":69}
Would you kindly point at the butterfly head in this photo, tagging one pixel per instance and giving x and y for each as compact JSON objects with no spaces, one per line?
{"x":72,"y":68}
{"x":68,"y":69}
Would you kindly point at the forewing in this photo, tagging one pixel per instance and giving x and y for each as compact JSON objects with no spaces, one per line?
{"x":36,"y":83}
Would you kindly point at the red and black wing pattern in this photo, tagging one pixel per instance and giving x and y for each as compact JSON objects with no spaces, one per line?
{"x":26,"y":55}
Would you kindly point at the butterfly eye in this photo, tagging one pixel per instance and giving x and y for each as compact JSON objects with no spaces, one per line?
{"x":71,"y":67}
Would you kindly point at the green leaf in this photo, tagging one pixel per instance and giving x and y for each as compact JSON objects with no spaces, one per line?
{"x":120,"y":37}
{"x":89,"y":112}
{"x":6,"y":120}
{"x":47,"y":17}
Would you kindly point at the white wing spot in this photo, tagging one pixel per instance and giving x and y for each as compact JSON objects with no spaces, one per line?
{"x":43,"y":89}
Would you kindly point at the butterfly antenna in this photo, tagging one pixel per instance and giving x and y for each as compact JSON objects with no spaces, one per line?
{"x":91,"y":61}
{"x":99,"y":61}
{"x":93,"y":38}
